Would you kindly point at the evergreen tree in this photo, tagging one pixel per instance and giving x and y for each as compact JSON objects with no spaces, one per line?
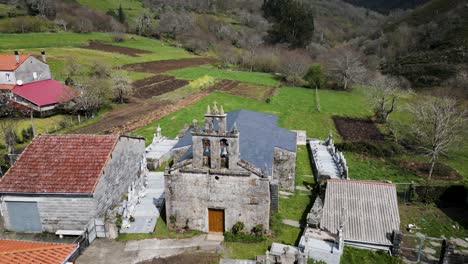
{"x":121,"y":15}
{"x":293,"y":22}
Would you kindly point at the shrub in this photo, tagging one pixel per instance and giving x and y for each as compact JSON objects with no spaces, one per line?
{"x":27,"y":133}
{"x":202,"y":83}
{"x":118,"y":37}
{"x":243,"y":237}
{"x":237,"y":228}
{"x":25,"y":24}
{"x":258,"y":229}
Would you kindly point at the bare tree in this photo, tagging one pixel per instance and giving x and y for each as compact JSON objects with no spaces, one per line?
{"x":61,"y":23}
{"x":143,"y":23}
{"x":176,"y":24}
{"x":93,"y":94}
{"x":438,"y":125}
{"x":345,"y":66}
{"x":383,"y":93}
{"x":294,"y":66}
{"x":121,"y":86}
{"x":8,"y":128}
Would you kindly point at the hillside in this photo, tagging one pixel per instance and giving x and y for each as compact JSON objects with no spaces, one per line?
{"x":386,"y":6}
{"x":439,"y":43}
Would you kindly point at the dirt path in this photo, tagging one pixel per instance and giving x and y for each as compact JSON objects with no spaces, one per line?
{"x":167,"y":65}
{"x":137,"y":113}
{"x":141,"y":112}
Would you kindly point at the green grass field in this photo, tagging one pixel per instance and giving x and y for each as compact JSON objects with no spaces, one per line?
{"x":63,"y":47}
{"x":131,"y":7}
{"x":250,"y":77}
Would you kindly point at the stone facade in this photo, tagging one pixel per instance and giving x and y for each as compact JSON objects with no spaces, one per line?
{"x":243,"y":198}
{"x":73,"y":211}
{"x":216,"y":178}
{"x":70,"y":213}
{"x":284,"y":168}
{"x":32,"y":70}
{"x":122,"y":169}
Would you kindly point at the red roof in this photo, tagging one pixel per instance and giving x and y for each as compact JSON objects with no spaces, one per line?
{"x":6,"y":86}
{"x":8,"y":61}
{"x":60,"y":164}
{"x":46,"y":92}
{"x":16,"y":251}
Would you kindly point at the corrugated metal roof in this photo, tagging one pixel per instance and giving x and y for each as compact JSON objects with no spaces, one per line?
{"x":259,"y":135}
{"x":46,"y":92}
{"x":16,"y":251}
{"x":60,"y":164}
{"x":369,"y":210}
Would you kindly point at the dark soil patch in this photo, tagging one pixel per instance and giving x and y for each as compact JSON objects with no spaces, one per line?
{"x":254,"y":91}
{"x":357,"y":129}
{"x":167,"y":65}
{"x":441,"y":171}
{"x":186,"y":258}
{"x":95,"y":45}
{"x":157,"y":85}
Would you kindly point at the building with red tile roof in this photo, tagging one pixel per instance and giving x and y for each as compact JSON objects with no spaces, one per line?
{"x":10,"y":62}
{"x":43,"y":95}
{"x":27,"y":81}
{"x":63,"y":181}
{"x":25,"y":252}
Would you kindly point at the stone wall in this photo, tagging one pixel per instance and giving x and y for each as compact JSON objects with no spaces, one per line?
{"x":70,"y":213}
{"x":7,"y":77}
{"x":243,"y":198}
{"x":122,"y":169}
{"x":178,"y":153}
{"x":284,"y":168}
{"x":25,"y":71}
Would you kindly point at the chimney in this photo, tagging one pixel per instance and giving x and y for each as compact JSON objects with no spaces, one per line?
{"x":17,"y":56}
{"x":44,"y":59}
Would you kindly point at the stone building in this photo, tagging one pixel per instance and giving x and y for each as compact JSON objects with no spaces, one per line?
{"x":229,"y":170}
{"x":61,"y":182}
{"x":27,"y":82}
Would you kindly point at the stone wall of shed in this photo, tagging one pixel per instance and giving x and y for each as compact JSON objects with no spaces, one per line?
{"x":284,"y":168}
{"x":56,"y":213}
{"x":25,"y":71}
{"x":243,"y":198}
{"x":122,"y":169}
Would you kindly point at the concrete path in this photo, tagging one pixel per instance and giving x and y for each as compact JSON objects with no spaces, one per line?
{"x":148,"y":210}
{"x":110,"y":251}
{"x":291,"y":223}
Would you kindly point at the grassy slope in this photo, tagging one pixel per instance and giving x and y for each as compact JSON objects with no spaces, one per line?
{"x":131,"y":7}
{"x":253,"y":77}
{"x":61,"y":47}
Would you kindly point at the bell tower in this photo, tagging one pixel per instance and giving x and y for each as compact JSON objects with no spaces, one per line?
{"x":214,"y":147}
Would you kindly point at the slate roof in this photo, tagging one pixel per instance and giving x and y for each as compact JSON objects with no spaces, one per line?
{"x":8,"y":61}
{"x":60,"y":164}
{"x":45,"y":92}
{"x":25,"y":252}
{"x":259,"y":135}
{"x":370,"y":210}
